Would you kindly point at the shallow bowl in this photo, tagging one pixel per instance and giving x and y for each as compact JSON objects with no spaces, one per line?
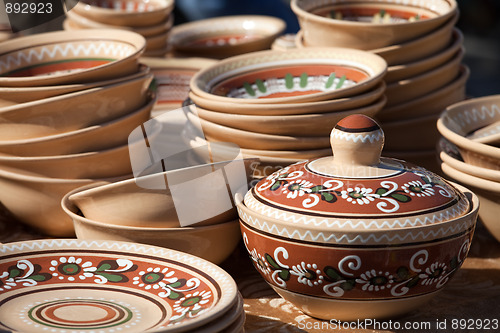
{"x":226,"y":36}
{"x":367,"y":25}
{"x":63,"y":57}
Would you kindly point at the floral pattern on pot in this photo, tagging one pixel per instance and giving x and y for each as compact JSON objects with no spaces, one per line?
{"x":356,"y":272}
{"x":297,"y":188}
{"x":289,"y":81}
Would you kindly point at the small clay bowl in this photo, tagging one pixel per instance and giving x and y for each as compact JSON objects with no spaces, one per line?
{"x":298,"y":75}
{"x":226,"y":36}
{"x":132,"y":13}
{"x":463,"y":118}
{"x":361,"y":24}
{"x":63,"y":57}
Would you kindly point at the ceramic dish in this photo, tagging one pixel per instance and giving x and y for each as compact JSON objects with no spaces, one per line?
{"x":299,"y":75}
{"x":133,"y":13}
{"x":226,"y":36}
{"x":460,"y":119}
{"x":62,"y":57}
{"x":311,"y":124}
{"x":93,"y":138}
{"x":357,"y":235}
{"x":73,"y":111}
{"x":276,"y":109}
{"x":489,"y":134}
{"x":366,"y":25}
{"x":69,"y":285}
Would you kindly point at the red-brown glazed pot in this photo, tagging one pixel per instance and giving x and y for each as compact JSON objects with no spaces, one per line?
{"x":357,"y":235}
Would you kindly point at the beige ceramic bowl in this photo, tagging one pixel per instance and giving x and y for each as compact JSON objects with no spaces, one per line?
{"x":408,"y":70}
{"x":14,"y":95}
{"x":338,"y":104}
{"x":62,"y":57}
{"x":134,"y":13}
{"x":214,"y":242}
{"x":463,"y":118}
{"x":226,"y":36}
{"x":424,"y":83}
{"x":93,"y":138}
{"x":355,"y":23}
{"x":298,"y":75}
{"x":73,"y":111}
{"x":432,"y":103}
{"x":311,"y":124}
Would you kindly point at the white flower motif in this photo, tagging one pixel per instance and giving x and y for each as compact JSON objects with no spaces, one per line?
{"x":374,"y":281}
{"x":433,"y":274}
{"x":296,"y":188}
{"x":9,"y":283}
{"x":417,"y":188}
{"x":193,"y":303}
{"x":307,"y":274}
{"x":359,"y":195}
{"x":154,"y":278}
{"x":71,"y":268}
{"x":260,"y":262}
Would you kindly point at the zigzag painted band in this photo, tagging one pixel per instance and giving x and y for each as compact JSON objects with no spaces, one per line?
{"x":371,"y":137}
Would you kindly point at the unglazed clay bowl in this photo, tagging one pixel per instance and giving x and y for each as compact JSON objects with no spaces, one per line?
{"x":63,"y":57}
{"x":424,"y":83}
{"x":197,"y":195}
{"x":110,"y":285}
{"x":213,"y":242}
{"x":311,"y":124}
{"x":93,"y":138}
{"x":226,"y":36}
{"x":298,"y":75}
{"x":133,"y":13}
{"x":15,"y":95}
{"x":432,"y":103}
{"x":357,"y":235}
{"x":463,"y":118}
{"x":73,"y":111}
{"x":366,"y":25}
{"x":277,"y":109}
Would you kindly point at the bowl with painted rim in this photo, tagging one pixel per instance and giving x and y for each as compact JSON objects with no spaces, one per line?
{"x":295,"y":76}
{"x":357,"y":235}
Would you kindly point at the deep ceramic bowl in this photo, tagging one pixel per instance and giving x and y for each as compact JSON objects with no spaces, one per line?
{"x":298,"y":75}
{"x":356,"y":235}
{"x":463,"y":118}
{"x":226,"y":36}
{"x":213,"y":243}
{"x":133,"y":13}
{"x":63,"y":57}
{"x":369,"y":25}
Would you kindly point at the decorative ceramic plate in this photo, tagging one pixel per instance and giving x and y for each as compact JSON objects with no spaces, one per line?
{"x":102,"y":286}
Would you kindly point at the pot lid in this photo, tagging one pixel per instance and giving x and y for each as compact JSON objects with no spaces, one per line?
{"x":357,"y":189}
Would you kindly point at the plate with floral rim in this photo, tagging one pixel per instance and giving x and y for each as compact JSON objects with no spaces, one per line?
{"x":62,"y":285}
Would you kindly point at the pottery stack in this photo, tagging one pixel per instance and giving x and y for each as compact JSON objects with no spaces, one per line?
{"x":423,"y":49}
{"x":278,"y":106}
{"x":151,"y":19}
{"x":68,"y":103}
{"x":470,"y":152}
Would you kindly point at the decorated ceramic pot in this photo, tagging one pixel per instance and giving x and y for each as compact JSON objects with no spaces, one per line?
{"x":357,"y":235}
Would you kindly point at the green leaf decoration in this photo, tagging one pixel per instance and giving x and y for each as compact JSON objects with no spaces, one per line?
{"x":179,"y":319}
{"x":260,"y":85}
{"x":278,"y":184}
{"x":271,"y":261}
{"x":114,"y":277}
{"x":174,"y":295}
{"x":403,"y":273}
{"x":348,"y":285}
{"x":289,"y":81}
{"x":284,"y":275}
{"x":341,"y":82}
{"x":329,"y":82}
{"x":328,"y":197}
{"x":303,"y":80}
{"x":400,"y":197}
{"x":381,"y":191}
{"x":332,"y":274}
{"x":248,"y":89}
{"x":316,"y":188}
{"x":177,"y":284}
{"x":382,"y":12}
{"x":14,"y":272}
{"x":104,"y":266}
{"x":40,"y":277}
{"x":413,"y":282}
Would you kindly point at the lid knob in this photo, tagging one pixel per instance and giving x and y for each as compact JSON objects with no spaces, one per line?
{"x":356,"y":140}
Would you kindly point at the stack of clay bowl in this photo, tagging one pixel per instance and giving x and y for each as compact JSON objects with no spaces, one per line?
{"x":279,"y":106}
{"x":151,"y":19}
{"x":423,"y":51}
{"x":470,"y":152}
{"x":68,"y":102}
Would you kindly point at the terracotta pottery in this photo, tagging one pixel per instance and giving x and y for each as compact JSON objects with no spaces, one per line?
{"x":63,"y":57}
{"x":357,"y":235}
{"x":298,"y":75}
{"x":105,"y":286}
{"x":424,"y":158}
{"x":366,"y":25}
{"x":226,"y":36}
{"x":133,"y":13}
{"x":465,"y":117}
